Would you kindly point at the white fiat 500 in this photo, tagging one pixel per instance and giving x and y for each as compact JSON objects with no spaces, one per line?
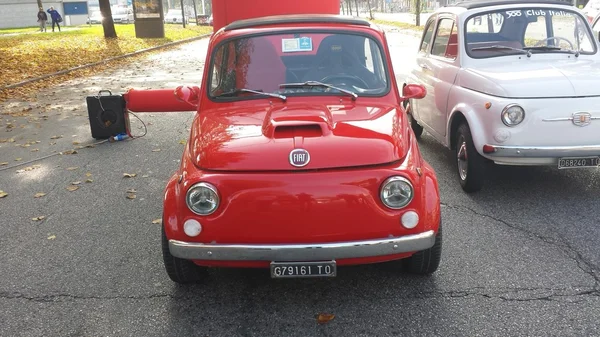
{"x":514,"y":83}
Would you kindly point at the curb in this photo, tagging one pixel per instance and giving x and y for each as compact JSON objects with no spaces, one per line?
{"x":62,"y":72}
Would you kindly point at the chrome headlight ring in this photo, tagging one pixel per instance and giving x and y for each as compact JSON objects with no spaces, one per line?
{"x":396,"y":192}
{"x":202,"y":198}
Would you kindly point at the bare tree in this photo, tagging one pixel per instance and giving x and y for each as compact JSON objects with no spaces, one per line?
{"x":107,"y":23}
{"x":417,"y":12}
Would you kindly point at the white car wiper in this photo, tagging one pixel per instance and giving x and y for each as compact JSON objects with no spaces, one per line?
{"x":237,"y":91}
{"x":575,"y":52}
{"x":319,"y":84}
{"x":497,"y":46}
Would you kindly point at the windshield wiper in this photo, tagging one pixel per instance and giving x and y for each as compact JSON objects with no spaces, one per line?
{"x":318,"y":84}
{"x":575,"y":52}
{"x":528,"y":52}
{"x":237,"y":91}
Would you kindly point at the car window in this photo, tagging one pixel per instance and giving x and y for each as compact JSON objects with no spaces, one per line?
{"x":427,"y":36}
{"x":264,"y":63}
{"x":444,"y":43}
{"x":541,"y":30}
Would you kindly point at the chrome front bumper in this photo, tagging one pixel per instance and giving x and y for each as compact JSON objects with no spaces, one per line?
{"x":544,"y":151}
{"x":302,"y":252}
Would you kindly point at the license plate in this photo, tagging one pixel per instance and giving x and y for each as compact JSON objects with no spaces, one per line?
{"x":303,"y":269}
{"x":564,"y":163}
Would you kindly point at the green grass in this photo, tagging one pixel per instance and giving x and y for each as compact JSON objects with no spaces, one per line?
{"x":402,"y":25}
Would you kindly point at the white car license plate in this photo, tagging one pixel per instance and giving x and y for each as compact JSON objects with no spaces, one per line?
{"x":583,"y":162}
{"x":303,"y":269}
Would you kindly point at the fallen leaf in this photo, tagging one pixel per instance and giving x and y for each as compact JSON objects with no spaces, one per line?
{"x":72,"y":168}
{"x":4,"y":163}
{"x":183,"y":141}
{"x":145,"y":176}
{"x":76,"y":143}
{"x":18,"y":159}
{"x":76,"y":183}
{"x":38,"y":218}
{"x":324,"y":318}
{"x":72,"y":188}
{"x":56,"y":137}
{"x":35,"y":150}
{"x":52,"y":237}
{"x":39,"y":195}
{"x":88,"y":174}
{"x":156,"y":150}
{"x":130,"y":196}
{"x":88,"y":180}
{"x":157,"y":221}
{"x":129,"y":175}
{"x":69,"y":152}
{"x":3,"y":194}
{"x":131,"y":190}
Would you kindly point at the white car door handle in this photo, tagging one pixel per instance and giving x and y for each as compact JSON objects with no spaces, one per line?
{"x":424,"y":66}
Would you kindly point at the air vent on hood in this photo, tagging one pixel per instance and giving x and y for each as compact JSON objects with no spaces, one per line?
{"x":302,"y":130}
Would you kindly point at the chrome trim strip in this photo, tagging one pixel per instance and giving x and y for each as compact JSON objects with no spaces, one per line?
{"x":545,"y":151}
{"x":302,"y":252}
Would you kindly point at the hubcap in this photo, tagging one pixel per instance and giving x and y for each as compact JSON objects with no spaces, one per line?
{"x":462,"y":158}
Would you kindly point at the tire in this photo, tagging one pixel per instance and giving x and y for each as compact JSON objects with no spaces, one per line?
{"x":426,"y":262}
{"x":180,"y":270}
{"x":470,"y":165}
{"x":417,"y":129}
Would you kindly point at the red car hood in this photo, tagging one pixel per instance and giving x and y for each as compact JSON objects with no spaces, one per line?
{"x":261,"y":137}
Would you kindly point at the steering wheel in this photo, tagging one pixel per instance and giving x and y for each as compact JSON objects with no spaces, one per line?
{"x":537,"y":44}
{"x":344,"y":79}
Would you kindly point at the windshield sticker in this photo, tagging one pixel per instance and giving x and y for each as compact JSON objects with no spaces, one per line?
{"x":537,"y":12}
{"x":298,"y":44}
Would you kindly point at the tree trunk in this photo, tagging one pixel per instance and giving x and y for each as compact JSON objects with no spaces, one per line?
{"x":370,"y":11}
{"x":417,"y":12}
{"x":108,"y":23}
{"x":349,"y":7}
{"x":356,"y":5}
{"x":40,"y":4}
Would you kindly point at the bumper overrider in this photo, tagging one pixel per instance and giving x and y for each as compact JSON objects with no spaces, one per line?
{"x":303,"y":252}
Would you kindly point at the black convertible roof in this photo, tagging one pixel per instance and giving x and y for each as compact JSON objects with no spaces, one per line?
{"x":296,"y":18}
{"x":484,"y":3}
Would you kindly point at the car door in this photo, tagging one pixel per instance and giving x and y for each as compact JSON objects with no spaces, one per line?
{"x":417,"y":72}
{"x":441,"y":67}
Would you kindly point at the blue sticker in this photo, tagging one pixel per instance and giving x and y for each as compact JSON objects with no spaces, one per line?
{"x":297,"y":44}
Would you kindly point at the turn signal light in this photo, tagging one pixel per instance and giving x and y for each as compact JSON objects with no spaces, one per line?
{"x":488,"y":149}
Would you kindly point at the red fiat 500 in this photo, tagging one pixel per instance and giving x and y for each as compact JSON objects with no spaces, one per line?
{"x":300,"y":158}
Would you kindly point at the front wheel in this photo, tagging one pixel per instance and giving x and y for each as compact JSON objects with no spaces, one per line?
{"x":426,"y":261}
{"x":469,"y":163}
{"x":417,"y":129}
{"x":181,"y":270}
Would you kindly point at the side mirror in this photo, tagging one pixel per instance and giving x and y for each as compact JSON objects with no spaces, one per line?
{"x":413,"y":91}
{"x":189,"y":95}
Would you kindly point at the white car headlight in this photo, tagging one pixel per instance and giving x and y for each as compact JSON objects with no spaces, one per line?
{"x":512,"y":115}
{"x":202,"y":198}
{"x":396,"y":192}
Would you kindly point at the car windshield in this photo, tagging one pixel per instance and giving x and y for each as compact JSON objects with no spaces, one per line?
{"x":298,"y":64}
{"x":527,"y":30}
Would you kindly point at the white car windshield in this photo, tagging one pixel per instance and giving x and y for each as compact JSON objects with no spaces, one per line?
{"x":522,"y":30}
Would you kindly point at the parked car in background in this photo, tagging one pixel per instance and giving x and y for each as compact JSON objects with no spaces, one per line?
{"x":122,"y":15}
{"x":95,"y":17}
{"x":174,"y":16}
{"x":300,"y":157}
{"x":519,"y":89}
{"x":592,"y":9}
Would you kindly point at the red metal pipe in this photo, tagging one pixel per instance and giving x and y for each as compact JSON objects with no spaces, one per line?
{"x":155,"y":100}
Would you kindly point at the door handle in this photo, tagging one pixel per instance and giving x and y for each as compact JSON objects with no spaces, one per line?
{"x":424,"y":66}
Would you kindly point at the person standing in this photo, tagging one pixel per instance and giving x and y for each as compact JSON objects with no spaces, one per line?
{"x":42,"y":18}
{"x":56,"y":18}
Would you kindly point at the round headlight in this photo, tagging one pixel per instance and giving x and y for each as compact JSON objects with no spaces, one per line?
{"x":512,"y":115}
{"x":396,"y":192}
{"x":202,"y":199}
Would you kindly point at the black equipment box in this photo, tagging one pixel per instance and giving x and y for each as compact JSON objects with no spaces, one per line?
{"x":108,"y":115}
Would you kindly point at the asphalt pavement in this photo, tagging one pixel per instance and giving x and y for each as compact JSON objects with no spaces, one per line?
{"x":520,"y":258}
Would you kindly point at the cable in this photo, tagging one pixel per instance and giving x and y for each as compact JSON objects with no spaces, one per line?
{"x":51,"y":155}
{"x":144,"y":124}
